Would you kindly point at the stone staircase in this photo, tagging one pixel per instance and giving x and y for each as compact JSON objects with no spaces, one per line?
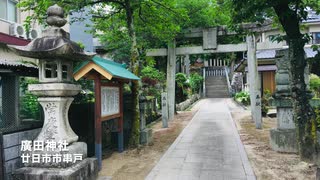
{"x":216,"y":87}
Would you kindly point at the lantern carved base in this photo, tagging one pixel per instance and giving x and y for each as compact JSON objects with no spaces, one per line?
{"x":86,"y":169}
{"x":56,"y":125}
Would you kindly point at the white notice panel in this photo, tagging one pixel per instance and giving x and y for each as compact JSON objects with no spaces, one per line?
{"x":110,"y":101}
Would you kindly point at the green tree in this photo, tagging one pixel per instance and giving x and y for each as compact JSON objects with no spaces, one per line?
{"x":289,"y":14}
{"x":120,"y":18}
{"x":204,"y":13}
{"x":128,"y":27}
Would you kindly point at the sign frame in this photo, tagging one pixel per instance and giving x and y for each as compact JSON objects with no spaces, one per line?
{"x":114,"y":115}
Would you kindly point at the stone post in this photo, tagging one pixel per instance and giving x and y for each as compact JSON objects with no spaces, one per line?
{"x":171,"y":78}
{"x":145,"y":133}
{"x":255,"y":97}
{"x":283,"y":138}
{"x":164,"y":108}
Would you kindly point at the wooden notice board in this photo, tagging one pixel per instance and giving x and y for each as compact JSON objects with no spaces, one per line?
{"x":108,"y":105}
{"x":110,"y":101}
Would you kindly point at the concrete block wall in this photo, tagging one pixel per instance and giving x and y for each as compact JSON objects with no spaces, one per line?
{"x":12,"y":150}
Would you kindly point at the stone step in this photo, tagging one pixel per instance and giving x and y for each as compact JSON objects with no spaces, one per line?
{"x":217,"y":96}
{"x":215,"y":78}
{"x":216,"y":90}
{"x":216,"y":84}
{"x":212,"y":81}
{"x":219,"y":87}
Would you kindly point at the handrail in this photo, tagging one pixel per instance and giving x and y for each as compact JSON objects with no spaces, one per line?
{"x":227,"y":76}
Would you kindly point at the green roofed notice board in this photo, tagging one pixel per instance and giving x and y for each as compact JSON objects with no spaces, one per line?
{"x":108,"y":95}
{"x":107,"y":68}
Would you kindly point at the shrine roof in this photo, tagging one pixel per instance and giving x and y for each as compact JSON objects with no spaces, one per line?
{"x":107,"y":68}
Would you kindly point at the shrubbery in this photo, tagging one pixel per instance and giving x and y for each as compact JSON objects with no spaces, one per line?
{"x":315,"y":85}
{"x":29,"y":105}
{"x":265,"y":102}
{"x":195,"y":81}
{"x":183,"y":86}
{"x":151,"y":76}
{"x":152,"y":82}
{"x":186,"y":87}
{"x":243,"y":97}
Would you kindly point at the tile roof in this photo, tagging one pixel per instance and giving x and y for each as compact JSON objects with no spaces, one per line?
{"x":269,"y":54}
{"x":265,"y":68}
{"x":17,"y":63}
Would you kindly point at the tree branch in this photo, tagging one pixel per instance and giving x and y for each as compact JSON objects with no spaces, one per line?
{"x":158,"y":3}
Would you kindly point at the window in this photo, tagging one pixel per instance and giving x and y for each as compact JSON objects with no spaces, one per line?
{"x":316,"y":38}
{"x":8,"y":10}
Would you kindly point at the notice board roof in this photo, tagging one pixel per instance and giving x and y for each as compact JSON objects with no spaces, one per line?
{"x":107,"y":68}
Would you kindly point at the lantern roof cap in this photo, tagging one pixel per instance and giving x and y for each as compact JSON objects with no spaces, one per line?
{"x":55,"y":42}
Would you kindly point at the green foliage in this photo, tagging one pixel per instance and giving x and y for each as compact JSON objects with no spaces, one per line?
{"x":195,"y":82}
{"x":86,"y":95}
{"x":152,"y":76}
{"x":243,"y":97}
{"x":317,"y":113}
{"x":204,"y":13}
{"x":315,"y":85}
{"x":29,"y":105}
{"x":182,"y":87}
{"x":24,"y":82}
{"x":265,"y":102}
{"x":82,"y":46}
{"x":181,"y":80}
{"x":153,"y":81}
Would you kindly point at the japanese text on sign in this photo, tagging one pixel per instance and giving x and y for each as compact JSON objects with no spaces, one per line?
{"x":47,"y":152}
{"x":110,"y":101}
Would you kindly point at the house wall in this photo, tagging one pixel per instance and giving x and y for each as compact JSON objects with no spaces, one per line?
{"x":10,"y":142}
{"x":21,"y":16}
{"x":314,"y":28}
{"x":11,"y":148}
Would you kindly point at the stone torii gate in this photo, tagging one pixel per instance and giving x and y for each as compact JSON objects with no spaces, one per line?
{"x":210,"y":45}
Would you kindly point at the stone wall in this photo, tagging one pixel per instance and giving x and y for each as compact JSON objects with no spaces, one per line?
{"x":185,"y":104}
{"x":11,"y":145}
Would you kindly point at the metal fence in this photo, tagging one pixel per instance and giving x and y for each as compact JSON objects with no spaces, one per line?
{"x":19,"y":109}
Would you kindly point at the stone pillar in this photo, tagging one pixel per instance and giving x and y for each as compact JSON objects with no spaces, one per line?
{"x":255,"y":97}
{"x":164,"y":109}
{"x":145,"y":133}
{"x":283,"y":138}
{"x":171,"y":78}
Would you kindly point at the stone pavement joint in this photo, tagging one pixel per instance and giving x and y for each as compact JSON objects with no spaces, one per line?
{"x":208,"y":148}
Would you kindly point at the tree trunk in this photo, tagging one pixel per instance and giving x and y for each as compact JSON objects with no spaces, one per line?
{"x":134,"y":59}
{"x":303,"y":112}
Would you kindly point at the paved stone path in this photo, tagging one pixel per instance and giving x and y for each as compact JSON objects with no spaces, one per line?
{"x":208,"y":148}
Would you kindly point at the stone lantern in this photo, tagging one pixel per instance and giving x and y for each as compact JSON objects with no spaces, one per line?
{"x":56,"y":54}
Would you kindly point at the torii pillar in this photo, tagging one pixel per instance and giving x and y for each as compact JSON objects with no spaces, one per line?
{"x":171,"y":78}
{"x":255,"y":95}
